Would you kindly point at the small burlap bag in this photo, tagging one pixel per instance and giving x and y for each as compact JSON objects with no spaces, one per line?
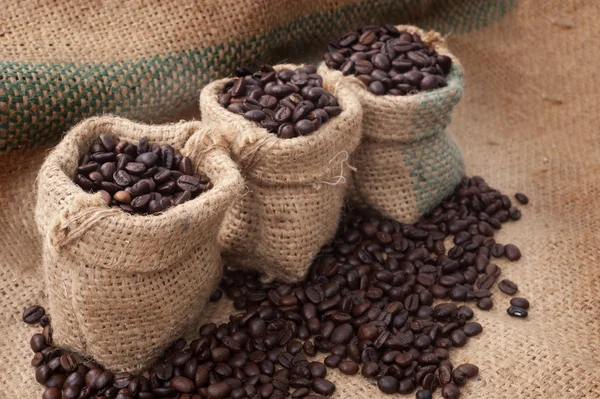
{"x":121,"y":287}
{"x":295,"y":186}
{"x":407,"y":162}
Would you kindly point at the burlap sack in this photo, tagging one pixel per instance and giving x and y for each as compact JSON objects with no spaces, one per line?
{"x":407,"y":162}
{"x":121,"y":287}
{"x":295,"y":186}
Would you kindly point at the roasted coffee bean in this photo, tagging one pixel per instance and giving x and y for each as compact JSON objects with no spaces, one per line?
{"x":517,"y":312}
{"x":511,"y":252}
{"x":508,"y":287}
{"x":388,"y":384}
{"x":33,"y":314}
{"x":322,"y":386}
{"x":520,"y":303}
{"x":450,"y":391}
{"x":472,"y":329}
{"x":348,"y":367}
{"x":52,"y":393}
{"x":37,"y":342}
{"x":423,"y":394}
{"x":332,"y":361}
{"x":522,"y":198}
{"x":485,"y":303}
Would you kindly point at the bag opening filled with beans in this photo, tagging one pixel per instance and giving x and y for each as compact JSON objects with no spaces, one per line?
{"x":121,"y":287}
{"x":407,"y":162}
{"x":295,"y":185}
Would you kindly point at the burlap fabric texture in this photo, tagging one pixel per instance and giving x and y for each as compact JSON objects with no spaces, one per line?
{"x":406,"y":162}
{"x":528,"y":122}
{"x":63,"y":61}
{"x":295,"y":186}
{"x":121,"y":287}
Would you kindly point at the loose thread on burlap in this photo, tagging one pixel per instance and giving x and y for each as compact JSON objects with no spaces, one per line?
{"x":253,"y":155}
{"x":339,"y":179}
{"x":89,"y":216}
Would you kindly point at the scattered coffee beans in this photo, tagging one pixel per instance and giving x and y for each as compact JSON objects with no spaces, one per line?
{"x":289,"y":103}
{"x":368,"y":303}
{"x":388,"y":61}
{"x":142,"y":179}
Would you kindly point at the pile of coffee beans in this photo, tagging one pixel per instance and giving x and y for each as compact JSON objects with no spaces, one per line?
{"x":143,"y":179}
{"x":375,"y":303}
{"x":388,"y":61}
{"x":289,"y":103}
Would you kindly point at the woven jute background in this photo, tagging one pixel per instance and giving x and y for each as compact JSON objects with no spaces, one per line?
{"x":528,"y":122}
{"x":63,"y":61}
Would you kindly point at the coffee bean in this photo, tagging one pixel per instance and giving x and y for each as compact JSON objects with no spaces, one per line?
{"x":472,"y":329}
{"x":37,"y":342}
{"x":218,"y":391}
{"x":511,"y":252}
{"x":332,"y":361}
{"x":104,"y":379}
{"x":342,"y":334}
{"x":388,"y":384}
{"x":423,"y":394}
{"x":458,"y":338}
{"x":517,"y":312}
{"x":450,"y":391}
{"x":52,"y":393}
{"x":348,"y":367}
{"x":508,"y":287}
{"x":520,"y":303}
{"x":497,"y":250}
{"x":322,"y":386}
{"x":68,"y":363}
{"x":182,"y":384}
{"x":522,"y":198}
{"x":485,"y":304}
{"x":33,"y":314}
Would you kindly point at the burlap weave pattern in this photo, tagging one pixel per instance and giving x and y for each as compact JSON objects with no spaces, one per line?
{"x":406,"y":162}
{"x":121,"y":287}
{"x":296,"y":186}
{"x":63,"y":61}
{"x":527,"y":122}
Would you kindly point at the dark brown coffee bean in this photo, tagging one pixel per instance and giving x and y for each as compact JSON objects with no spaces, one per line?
{"x":68,"y":363}
{"x":104,"y":379}
{"x":33,"y":314}
{"x":37,"y":342}
{"x":508,"y":287}
{"x":520,"y":303}
{"x":424,"y":394}
{"x":450,"y":391}
{"x":512,"y":252}
{"x":342,"y":334}
{"x":472,"y":329}
{"x":52,"y":393}
{"x":522,"y":198}
{"x":485,"y":304}
{"x":182,"y":384}
{"x":348,"y":367}
{"x":332,"y":361}
{"x":388,"y":384}
{"x":218,"y":391}
{"x":322,"y":386}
